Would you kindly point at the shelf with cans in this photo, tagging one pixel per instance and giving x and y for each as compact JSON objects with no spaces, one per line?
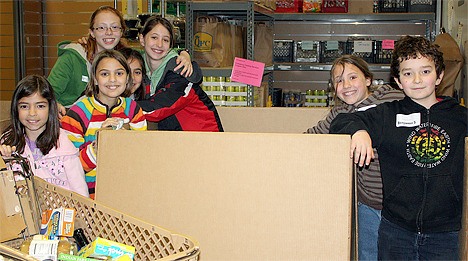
{"x":246,"y":12}
{"x":223,"y":92}
{"x":306,"y":44}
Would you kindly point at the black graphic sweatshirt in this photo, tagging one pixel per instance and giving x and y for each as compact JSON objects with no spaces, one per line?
{"x":421,"y":155}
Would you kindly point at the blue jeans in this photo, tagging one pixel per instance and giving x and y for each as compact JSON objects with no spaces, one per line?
{"x":396,"y":243}
{"x":368,"y":231}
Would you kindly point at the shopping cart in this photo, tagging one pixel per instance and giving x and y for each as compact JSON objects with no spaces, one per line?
{"x":151,"y":242}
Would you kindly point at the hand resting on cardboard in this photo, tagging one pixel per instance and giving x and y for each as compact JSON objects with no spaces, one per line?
{"x":361,"y":148}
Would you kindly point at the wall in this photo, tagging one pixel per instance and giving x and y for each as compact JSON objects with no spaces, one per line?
{"x":7,"y":57}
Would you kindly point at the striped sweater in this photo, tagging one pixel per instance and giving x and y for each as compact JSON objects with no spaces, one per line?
{"x":368,"y":178}
{"x":85,"y":118}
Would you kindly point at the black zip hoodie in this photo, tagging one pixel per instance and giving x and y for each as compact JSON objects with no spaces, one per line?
{"x":421,"y":155}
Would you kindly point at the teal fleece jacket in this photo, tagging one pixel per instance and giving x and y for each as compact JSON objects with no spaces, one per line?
{"x":70,"y":74}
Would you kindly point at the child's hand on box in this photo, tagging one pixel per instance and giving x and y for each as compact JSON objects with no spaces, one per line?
{"x":361,"y":148}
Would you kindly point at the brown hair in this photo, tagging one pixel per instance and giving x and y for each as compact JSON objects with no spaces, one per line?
{"x":410,"y":47}
{"x":91,"y":46}
{"x":354,"y":60}
{"x":155,"y":20}
{"x":14,"y":134}
{"x":92,"y":88}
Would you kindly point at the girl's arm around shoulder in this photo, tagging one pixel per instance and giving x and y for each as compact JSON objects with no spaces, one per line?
{"x":184,"y":63}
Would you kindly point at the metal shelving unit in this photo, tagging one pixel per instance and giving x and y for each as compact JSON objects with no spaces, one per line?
{"x":310,"y":26}
{"x":338,"y":27}
{"x":247,"y":11}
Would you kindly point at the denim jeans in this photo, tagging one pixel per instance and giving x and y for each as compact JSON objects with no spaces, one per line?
{"x":396,"y":243}
{"x":368,"y":231}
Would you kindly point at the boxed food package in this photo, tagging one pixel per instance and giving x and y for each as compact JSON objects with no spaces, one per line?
{"x":335,"y":6}
{"x":58,"y":222}
{"x":312,"y":6}
{"x":101,"y":247}
{"x":288,"y":6}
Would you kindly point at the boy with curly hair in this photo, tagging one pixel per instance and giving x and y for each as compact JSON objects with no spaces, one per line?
{"x":420,"y":142}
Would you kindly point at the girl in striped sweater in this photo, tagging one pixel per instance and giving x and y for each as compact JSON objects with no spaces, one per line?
{"x":106,"y":106}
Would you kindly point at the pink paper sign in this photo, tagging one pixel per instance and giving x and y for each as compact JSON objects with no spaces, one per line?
{"x":388,"y":44}
{"x":247,"y":71}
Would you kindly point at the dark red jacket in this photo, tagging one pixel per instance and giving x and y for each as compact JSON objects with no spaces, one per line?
{"x":179,"y":103}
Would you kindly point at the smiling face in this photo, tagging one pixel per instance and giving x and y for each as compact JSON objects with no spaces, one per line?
{"x":137,"y":73}
{"x":350,"y":84}
{"x":418,"y":79}
{"x":157,"y":44}
{"x":111,"y":79}
{"x":107,"y":30}
{"x":33,"y":113}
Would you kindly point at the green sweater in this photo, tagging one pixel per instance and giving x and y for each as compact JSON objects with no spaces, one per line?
{"x":69,"y":76}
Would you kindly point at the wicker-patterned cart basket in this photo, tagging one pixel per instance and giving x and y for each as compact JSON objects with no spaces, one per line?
{"x":151,"y":242}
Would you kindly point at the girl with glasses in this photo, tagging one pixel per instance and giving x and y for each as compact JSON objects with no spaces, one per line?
{"x":70,"y":74}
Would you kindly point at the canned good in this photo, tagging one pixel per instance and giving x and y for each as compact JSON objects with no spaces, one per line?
{"x":321,"y":92}
{"x":211,"y":78}
{"x":216,"y":97}
{"x":242,"y":88}
{"x":309,"y":92}
{"x":227,"y":79}
{"x":230,"y":88}
{"x":231,"y":98}
{"x":241,"y":98}
{"x":219,"y":79}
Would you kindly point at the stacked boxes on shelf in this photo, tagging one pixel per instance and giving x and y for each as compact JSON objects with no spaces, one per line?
{"x":392,"y":6}
{"x":330,"y":50}
{"x":383,"y":51}
{"x":283,"y":51}
{"x":307,"y":51}
{"x":364,"y":49}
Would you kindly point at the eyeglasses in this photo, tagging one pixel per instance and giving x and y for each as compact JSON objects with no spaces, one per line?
{"x":103,"y":29}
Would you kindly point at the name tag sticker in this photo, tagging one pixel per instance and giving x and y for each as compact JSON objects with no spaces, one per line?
{"x":410,"y":120}
{"x":84,"y":78}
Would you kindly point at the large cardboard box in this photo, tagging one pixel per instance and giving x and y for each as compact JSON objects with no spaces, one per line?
{"x":269,"y":120}
{"x":243,"y":196}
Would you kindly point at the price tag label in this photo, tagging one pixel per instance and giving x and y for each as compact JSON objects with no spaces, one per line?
{"x":332,"y":45}
{"x":307,"y":45}
{"x":363,"y":46}
{"x":388,"y":44}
